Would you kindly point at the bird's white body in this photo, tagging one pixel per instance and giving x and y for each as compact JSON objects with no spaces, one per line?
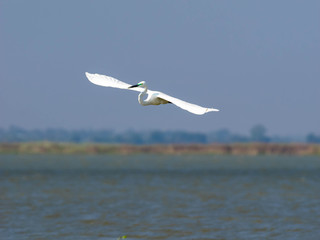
{"x":153,"y":97}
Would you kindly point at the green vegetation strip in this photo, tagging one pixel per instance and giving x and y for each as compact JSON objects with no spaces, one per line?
{"x":91,"y":148}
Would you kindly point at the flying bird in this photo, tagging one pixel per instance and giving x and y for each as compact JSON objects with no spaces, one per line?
{"x":153,"y":97}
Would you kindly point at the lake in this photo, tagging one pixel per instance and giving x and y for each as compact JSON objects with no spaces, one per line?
{"x":159,"y":197}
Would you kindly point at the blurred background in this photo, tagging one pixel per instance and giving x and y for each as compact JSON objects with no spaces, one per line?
{"x":256,"y":61}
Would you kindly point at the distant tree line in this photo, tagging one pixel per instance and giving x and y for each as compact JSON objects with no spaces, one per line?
{"x":257,"y":133}
{"x":312,"y":138}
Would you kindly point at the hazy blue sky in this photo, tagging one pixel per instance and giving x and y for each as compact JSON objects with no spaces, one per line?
{"x":257,"y":61}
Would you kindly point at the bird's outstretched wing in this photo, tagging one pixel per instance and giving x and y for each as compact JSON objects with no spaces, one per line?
{"x":193,"y":108}
{"x":106,"y":81}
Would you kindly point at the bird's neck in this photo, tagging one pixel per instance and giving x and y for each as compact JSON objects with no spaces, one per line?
{"x":141,"y":95}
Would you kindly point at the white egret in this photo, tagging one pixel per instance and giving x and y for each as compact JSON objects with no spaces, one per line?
{"x":153,"y":97}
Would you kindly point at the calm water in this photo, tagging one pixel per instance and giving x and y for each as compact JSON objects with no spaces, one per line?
{"x":159,"y":197}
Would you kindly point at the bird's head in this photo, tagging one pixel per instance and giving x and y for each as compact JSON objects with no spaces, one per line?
{"x":140,"y":84}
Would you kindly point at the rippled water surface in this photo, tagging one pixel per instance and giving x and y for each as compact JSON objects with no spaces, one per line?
{"x":159,"y":197}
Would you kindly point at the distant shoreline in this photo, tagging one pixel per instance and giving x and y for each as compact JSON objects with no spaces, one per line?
{"x":165,"y":149}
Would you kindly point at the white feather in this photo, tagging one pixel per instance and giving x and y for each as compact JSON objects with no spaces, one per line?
{"x":154,"y":97}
